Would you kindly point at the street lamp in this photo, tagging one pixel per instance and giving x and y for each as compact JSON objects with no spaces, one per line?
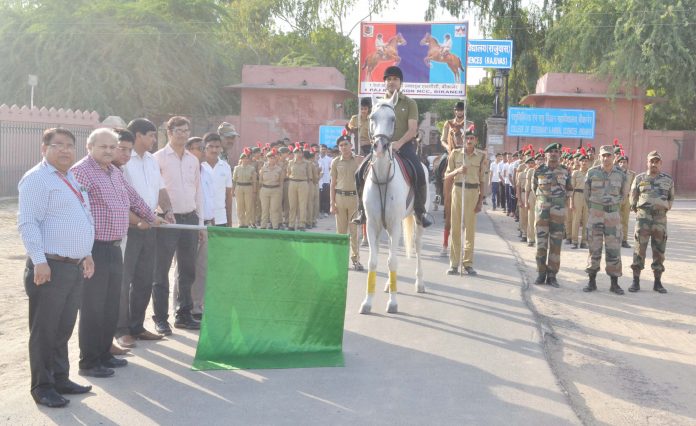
{"x":497,"y":83}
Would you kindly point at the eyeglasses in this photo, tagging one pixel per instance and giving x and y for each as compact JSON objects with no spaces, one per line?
{"x":62,"y":146}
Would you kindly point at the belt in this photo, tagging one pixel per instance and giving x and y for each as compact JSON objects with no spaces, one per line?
{"x":243,"y":183}
{"x":270,"y":186}
{"x":208,"y":222}
{"x":467,"y":185}
{"x":579,"y":190}
{"x":298,"y":180}
{"x":115,"y":243}
{"x":609,"y":209}
{"x":69,"y":260}
{"x":346,"y":193}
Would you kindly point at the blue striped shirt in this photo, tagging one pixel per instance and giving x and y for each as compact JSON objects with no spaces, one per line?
{"x":51,"y":217}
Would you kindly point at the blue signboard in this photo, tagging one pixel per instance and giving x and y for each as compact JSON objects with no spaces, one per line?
{"x":489,"y":54}
{"x":329,"y":134}
{"x":551,"y":123}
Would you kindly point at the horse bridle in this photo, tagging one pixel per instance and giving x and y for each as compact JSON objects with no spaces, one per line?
{"x":390,"y":172}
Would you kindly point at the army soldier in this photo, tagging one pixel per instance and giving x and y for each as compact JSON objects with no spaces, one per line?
{"x":551,"y":182}
{"x":652,"y":195}
{"x":271,"y":183}
{"x":466,"y":167}
{"x":244,"y":181}
{"x":299,"y":173}
{"x":622,"y":162}
{"x":604,"y":192}
{"x":578,"y":207}
{"x":343,"y":194}
{"x":359,"y":126}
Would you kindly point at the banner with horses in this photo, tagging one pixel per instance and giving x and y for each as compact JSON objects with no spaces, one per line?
{"x":274,"y":299}
{"x":432,"y":56}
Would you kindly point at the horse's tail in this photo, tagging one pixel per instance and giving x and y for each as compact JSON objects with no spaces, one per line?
{"x":409,"y":227}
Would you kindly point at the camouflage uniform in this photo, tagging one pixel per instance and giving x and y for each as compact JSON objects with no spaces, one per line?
{"x":604,"y":193}
{"x":550,"y":186}
{"x":651,"y":196}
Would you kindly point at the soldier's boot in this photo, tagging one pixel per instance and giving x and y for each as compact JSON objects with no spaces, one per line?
{"x":419,"y":205}
{"x":551,"y":279}
{"x":657,"y":286}
{"x":615,"y":286}
{"x":636,"y":284}
{"x":541,"y":279}
{"x":592,"y":284}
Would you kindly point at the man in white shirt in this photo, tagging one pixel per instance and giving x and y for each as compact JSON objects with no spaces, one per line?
{"x":143,"y":173}
{"x":495,"y":181}
{"x":325,"y":180}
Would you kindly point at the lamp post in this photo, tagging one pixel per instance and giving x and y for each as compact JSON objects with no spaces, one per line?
{"x":497,"y":83}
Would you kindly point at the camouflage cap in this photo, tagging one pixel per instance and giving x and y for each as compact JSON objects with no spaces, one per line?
{"x":227,"y":130}
{"x":606,"y":149}
{"x":654,"y":154}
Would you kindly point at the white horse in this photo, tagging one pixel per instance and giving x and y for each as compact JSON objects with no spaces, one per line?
{"x":384,"y":200}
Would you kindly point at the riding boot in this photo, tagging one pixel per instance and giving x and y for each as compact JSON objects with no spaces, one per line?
{"x":658,"y":283}
{"x":592,"y":284}
{"x":360,"y":218}
{"x":419,"y":205}
{"x":636,"y":284}
{"x":615,"y":286}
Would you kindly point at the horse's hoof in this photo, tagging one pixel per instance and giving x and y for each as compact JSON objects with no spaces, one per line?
{"x":392,"y":308}
{"x":365,"y":308}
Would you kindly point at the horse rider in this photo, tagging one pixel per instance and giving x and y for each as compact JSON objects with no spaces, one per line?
{"x":380,"y":44}
{"x":403,"y":142}
{"x":445,"y":47}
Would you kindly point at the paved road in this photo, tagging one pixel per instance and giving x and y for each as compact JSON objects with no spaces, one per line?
{"x":466,"y":352}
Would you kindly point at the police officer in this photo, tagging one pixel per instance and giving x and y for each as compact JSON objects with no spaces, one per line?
{"x":343,"y":195}
{"x":578,"y":207}
{"x":271,"y":191}
{"x":403,"y":140}
{"x":244,"y":180}
{"x":604,"y":192}
{"x":652,"y":195}
{"x":466,"y":167}
{"x":551,"y":183}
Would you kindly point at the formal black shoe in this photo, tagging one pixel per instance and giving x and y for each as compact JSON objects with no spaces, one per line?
{"x":187,"y":322}
{"x":197,"y":317}
{"x":541,"y":279}
{"x":574,"y":246}
{"x":424,"y":220}
{"x":625,"y":244}
{"x":68,"y":387}
{"x":163,"y":328}
{"x":453,"y":271}
{"x":359,"y":219}
{"x":469,"y":270}
{"x":635,"y":286}
{"x":523,"y":239}
{"x":98,"y":372}
{"x":115,"y":363}
{"x":583,"y":245}
{"x":49,"y":398}
{"x":551,"y":280}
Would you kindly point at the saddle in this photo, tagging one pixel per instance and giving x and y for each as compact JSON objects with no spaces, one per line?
{"x":408,"y":170}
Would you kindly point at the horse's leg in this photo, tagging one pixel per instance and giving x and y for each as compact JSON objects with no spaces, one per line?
{"x":394,"y":236}
{"x":373,"y":232}
{"x":420,"y":285}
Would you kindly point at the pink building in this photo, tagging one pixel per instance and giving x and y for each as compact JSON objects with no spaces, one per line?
{"x":621,"y":117}
{"x":292,"y":102}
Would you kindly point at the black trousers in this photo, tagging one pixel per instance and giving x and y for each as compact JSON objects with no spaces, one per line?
{"x":138,"y":272}
{"x":101,"y":296}
{"x":52,"y":313}
{"x":185,"y":244}
{"x":324,"y":198}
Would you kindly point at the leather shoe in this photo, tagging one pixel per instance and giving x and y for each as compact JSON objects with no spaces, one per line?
{"x":148,"y":335}
{"x":69,"y":387}
{"x":469,"y":270}
{"x":49,"y":398}
{"x":99,"y":371}
{"x":453,"y":271}
{"x":126,"y":341}
{"x":163,"y":328}
{"x":197,"y":317}
{"x":114,"y":363}
{"x":115,"y":350}
{"x":187,"y":322}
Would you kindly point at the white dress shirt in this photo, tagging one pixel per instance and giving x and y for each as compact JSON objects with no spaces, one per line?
{"x":221,"y":180}
{"x":143,"y":174}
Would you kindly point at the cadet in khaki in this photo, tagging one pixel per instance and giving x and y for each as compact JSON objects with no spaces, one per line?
{"x":625,"y":211}
{"x":344,"y":196}
{"x":551,"y":183}
{"x":299,"y":174}
{"x":520,"y":178}
{"x":465,"y":166}
{"x":652,"y":195}
{"x":604,"y":192}
{"x":578,"y":207}
{"x":244,"y":180}
{"x":530,"y":201}
{"x":360,"y":126}
{"x":257,"y":162}
{"x":271,"y":181}
{"x":285,"y":154}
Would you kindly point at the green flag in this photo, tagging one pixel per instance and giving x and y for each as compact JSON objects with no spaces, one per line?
{"x":273,"y":299}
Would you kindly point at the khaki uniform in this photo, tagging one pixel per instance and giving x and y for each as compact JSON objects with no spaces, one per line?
{"x":569,"y":216}
{"x":363,"y":132}
{"x":286,"y":200}
{"x":257,"y":198}
{"x":244,"y":181}
{"x":471,"y":189}
{"x":551,"y":187}
{"x":520,"y":178}
{"x":604,"y":193}
{"x":345,"y":199}
{"x":531,"y":206}
{"x":652,"y":196}
{"x":580,"y":211}
{"x":313,"y":208}
{"x":271,"y":194}
{"x":300,"y":174}
{"x":626,"y":204}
